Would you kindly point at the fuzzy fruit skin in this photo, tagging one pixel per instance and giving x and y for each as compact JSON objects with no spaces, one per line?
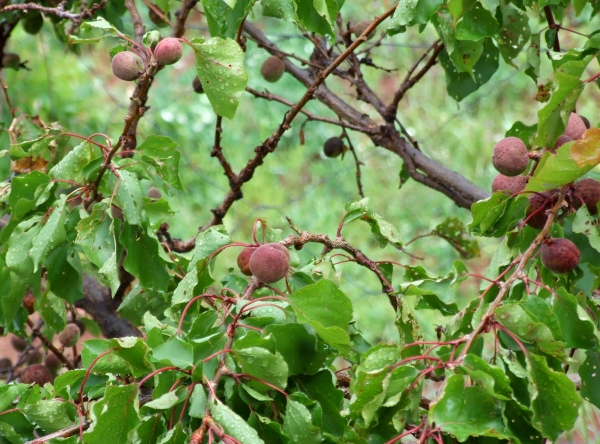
{"x":560,"y":255}
{"x":79,"y":324}
{"x":575,"y":127}
{"x":333,"y":147}
{"x":510,"y":156}
{"x":243,"y":260}
{"x":52,"y":363}
{"x":18,"y":344}
{"x":513,"y":185}
{"x":588,"y":191}
{"x":560,"y":142}
{"x":127,"y":66}
{"x":34,"y":357}
{"x":69,"y":336}
{"x":542,"y":201}
{"x":270,"y":263}
{"x":10,"y":60}
{"x":360,"y":27}
{"x":168,"y":51}
{"x":36,"y":374}
{"x":272,"y":69}
{"x":197,"y":85}
{"x":154,"y":193}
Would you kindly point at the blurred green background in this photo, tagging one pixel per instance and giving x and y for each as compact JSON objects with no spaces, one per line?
{"x":81,"y":94}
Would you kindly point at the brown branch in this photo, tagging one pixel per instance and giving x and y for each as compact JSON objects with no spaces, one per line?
{"x":357,"y":162}
{"x":181,"y":16}
{"x":552,"y":25}
{"x":174,"y":244}
{"x":58,"y":11}
{"x":217,"y":151}
{"x":138,"y":25}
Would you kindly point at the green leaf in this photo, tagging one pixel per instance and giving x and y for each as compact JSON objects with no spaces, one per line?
{"x":35,"y":147}
{"x":297,"y":346}
{"x":310,"y":18}
{"x":163,"y":402}
{"x":465,"y":411}
{"x":264,"y":365}
{"x":71,"y":167}
{"x":161,"y":153}
{"x":134,"y":352}
{"x":453,"y":230}
{"x":555,"y":402}
{"x":404,"y":14}
{"x":298,"y":424}
{"x":119,"y":406}
{"x":492,"y":378}
{"x":63,"y":271}
{"x":52,"y":234}
{"x":198,"y":272}
{"x":175,"y":352}
{"x":109,"y":363}
{"x":128,"y":195}
{"x":282,"y":9}
{"x":150,"y":429}
{"x":589,"y":371}
{"x":52,"y":310}
{"x":198,"y":402}
{"x":220,"y":68}
{"x":324,"y":307}
{"x":477,"y":24}
{"x":50,"y":414}
{"x":514,"y":33}
{"x":233,"y":424}
{"x":28,"y":192}
{"x":533,"y":57}
{"x":577,"y":328}
{"x":496,"y":215}
{"x":18,"y":258}
{"x":555,"y":170}
{"x":382,"y":231}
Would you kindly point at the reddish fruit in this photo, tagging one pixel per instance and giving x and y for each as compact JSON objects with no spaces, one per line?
{"x":272,"y":69}
{"x":512,"y":185}
{"x":510,"y":156}
{"x":560,"y":142}
{"x":69,"y":336}
{"x":18,"y":344}
{"x":52,"y":363}
{"x":333,"y":147}
{"x":127,"y":66}
{"x":36,"y":374}
{"x":270,"y":263}
{"x":243,"y":260}
{"x":34,"y":357}
{"x":560,"y":255}
{"x":28,"y":302}
{"x":575,"y":127}
{"x":154,"y":193}
{"x":197,"y":85}
{"x":168,"y":51}
{"x":539,"y":203}
{"x":587,"y":191}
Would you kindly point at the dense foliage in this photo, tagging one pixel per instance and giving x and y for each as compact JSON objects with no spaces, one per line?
{"x":266,"y":348}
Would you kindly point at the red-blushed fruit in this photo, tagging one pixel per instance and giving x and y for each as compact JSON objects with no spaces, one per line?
{"x":560,"y":255}
{"x":587,"y":191}
{"x":197,"y":85}
{"x":168,"y":51}
{"x":34,"y":357}
{"x":272,"y":69}
{"x":512,"y":185}
{"x":18,"y":344}
{"x":52,"y":363}
{"x":243,"y":260}
{"x":28,"y":302}
{"x":69,"y":336}
{"x":360,"y":27}
{"x":575,"y":127}
{"x":333,"y":147}
{"x":539,"y":203}
{"x":127,"y":66}
{"x":560,"y":142}
{"x":36,"y":374}
{"x":510,"y":156}
{"x":270,"y":263}
{"x":154,"y":193}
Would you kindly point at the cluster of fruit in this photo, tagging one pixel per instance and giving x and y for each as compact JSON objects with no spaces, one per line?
{"x":127,"y":65}
{"x":511,"y":158}
{"x":269,"y":263}
{"x":32,"y":357}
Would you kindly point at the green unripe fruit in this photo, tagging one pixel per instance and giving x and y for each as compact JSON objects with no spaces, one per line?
{"x":127,"y":66}
{"x":36,"y":374}
{"x":510,"y":156}
{"x":560,"y":255}
{"x":168,"y":51}
{"x":270,"y":263}
{"x":33,"y":22}
{"x":52,"y":363}
{"x":18,"y":344}
{"x":243,"y":260}
{"x":10,"y":60}
{"x":575,"y":127}
{"x":272,"y":69}
{"x":333,"y":147}
{"x":361,"y":27}
{"x":587,"y":191}
{"x":512,"y":185}
{"x":69,"y":336}
{"x":197,"y":85}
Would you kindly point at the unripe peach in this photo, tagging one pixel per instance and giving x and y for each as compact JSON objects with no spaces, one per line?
{"x":270,"y":263}
{"x":69,"y":336}
{"x":560,"y":142}
{"x":587,"y":191}
{"x":272,"y":69}
{"x":333,"y":147}
{"x":510,"y":156}
{"x":127,"y":66}
{"x":168,"y":51}
{"x":36,"y":374}
{"x":243,"y":260}
{"x":512,"y":185}
{"x":560,"y":255}
{"x":575,"y":127}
